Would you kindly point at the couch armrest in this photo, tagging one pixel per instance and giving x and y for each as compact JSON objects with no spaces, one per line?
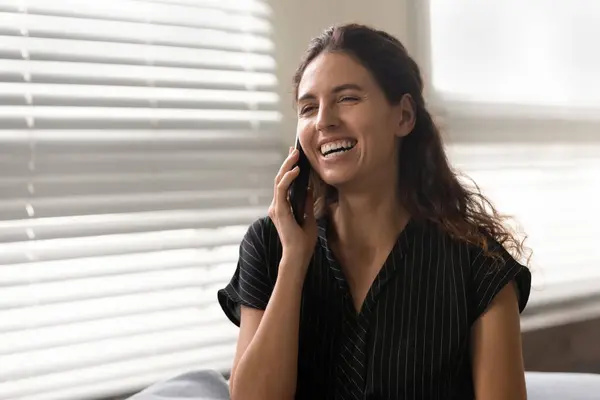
{"x":197,"y":385}
{"x":562,"y":386}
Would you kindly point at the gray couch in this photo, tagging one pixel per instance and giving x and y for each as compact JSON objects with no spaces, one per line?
{"x":210,"y":385}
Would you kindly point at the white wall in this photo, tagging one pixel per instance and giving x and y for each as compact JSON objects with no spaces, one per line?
{"x":297,"y":21}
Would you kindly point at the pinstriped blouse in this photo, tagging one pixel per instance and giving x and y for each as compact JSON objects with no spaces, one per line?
{"x":411,"y":338}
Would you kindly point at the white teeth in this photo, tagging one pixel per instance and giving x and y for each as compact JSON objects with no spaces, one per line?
{"x":338,"y":145}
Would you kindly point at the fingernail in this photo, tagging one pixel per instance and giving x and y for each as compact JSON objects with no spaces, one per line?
{"x":291,"y":149}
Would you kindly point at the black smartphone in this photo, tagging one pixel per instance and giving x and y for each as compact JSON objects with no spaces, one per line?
{"x":299,"y":187}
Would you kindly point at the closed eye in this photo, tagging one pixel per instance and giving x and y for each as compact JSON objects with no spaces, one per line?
{"x":344,"y":99}
{"x":306,"y":109}
{"x":348,"y":98}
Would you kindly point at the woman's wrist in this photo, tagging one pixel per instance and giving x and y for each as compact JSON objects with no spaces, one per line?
{"x":293,"y":266}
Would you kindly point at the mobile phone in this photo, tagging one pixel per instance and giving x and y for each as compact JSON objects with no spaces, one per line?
{"x":299,"y":188}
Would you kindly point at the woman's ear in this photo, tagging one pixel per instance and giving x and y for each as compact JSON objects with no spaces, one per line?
{"x":407,"y":110}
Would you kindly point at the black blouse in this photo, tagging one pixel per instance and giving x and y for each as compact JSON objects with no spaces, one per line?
{"x":411,"y":338}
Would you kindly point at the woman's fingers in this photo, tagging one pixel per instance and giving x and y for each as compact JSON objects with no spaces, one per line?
{"x":280,"y":199}
{"x":280,"y":206}
{"x":284,"y":184}
{"x":291,"y":159}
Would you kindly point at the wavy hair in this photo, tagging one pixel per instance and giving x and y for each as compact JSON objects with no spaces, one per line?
{"x":430,"y":189}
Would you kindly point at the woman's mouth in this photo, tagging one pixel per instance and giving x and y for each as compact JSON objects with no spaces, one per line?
{"x":332,"y":149}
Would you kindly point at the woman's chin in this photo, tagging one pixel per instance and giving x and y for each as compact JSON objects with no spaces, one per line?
{"x":336,"y":178}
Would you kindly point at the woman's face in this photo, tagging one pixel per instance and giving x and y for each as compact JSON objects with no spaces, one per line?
{"x":346,"y":126}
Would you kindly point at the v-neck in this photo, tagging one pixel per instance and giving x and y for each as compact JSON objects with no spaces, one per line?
{"x":385,"y":273}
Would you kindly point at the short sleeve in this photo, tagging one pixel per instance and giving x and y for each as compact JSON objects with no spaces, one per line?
{"x":489,"y":275}
{"x":252,"y":283}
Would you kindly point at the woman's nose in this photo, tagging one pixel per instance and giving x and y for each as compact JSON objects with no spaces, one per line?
{"x":327,"y":118}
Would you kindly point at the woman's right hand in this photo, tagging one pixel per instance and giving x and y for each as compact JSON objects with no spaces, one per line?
{"x":298,"y":242}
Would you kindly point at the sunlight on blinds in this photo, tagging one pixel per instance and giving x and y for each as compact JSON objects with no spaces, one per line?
{"x":138,"y":140}
{"x":551,"y":190}
{"x":518,"y":88}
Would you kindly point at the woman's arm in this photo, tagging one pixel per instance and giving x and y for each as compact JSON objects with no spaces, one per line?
{"x":497,"y":355}
{"x":265,"y":365}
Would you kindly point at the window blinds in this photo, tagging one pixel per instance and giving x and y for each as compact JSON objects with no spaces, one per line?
{"x":551,"y":190}
{"x":518,"y":91}
{"x":137,"y":142}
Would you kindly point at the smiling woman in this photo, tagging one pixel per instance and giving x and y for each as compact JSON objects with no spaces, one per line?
{"x":400,"y":283}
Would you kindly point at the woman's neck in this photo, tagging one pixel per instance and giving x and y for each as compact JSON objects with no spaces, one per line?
{"x":366,"y":220}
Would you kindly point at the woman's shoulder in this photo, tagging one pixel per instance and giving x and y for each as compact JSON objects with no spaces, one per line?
{"x":261,"y":229}
{"x":262,"y":238}
{"x":489,"y":251}
{"x":253,"y":279}
{"x":485,"y":267}
{"x":492,"y":267}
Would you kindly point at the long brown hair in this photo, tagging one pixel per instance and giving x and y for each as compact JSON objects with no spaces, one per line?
{"x":430,"y":189}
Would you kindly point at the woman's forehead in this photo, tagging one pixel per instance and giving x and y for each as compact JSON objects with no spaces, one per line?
{"x":332,"y":70}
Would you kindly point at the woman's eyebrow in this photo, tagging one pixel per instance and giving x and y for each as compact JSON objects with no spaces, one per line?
{"x":337,"y":89}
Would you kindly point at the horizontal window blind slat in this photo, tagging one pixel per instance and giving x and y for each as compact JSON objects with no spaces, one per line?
{"x":132,"y":32}
{"x":85,"y":72}
{"x":54,"y":249}
{"x":69,"y":358}
{"x":145,"y":114}
{"x":57,"y":155}
{"x":55,"y":165}
{"x":517,"y":168}
{"x":47,"y":93}
{"x":105,"y":381}
{"x":58,"y":270}
{"x":110,"y":286}
{"x":98,"y":225}
{"x":149,"y":12}
{"x":21,"y":185}
{"x":87,"y":161}
{"x":134,"y":123}
{"x":15,"y":342}
{"x":259,"y":7}
{"x":98,"y":205}
{"x":145,"y":54}
{"x":56,"y":169}
{"x":94,"y":309}
{"x":242,"y":138}
{"x":45,"y":173}
{"x":499,"y":154}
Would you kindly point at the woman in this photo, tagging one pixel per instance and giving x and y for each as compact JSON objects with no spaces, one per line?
{"x":399,"y":285}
